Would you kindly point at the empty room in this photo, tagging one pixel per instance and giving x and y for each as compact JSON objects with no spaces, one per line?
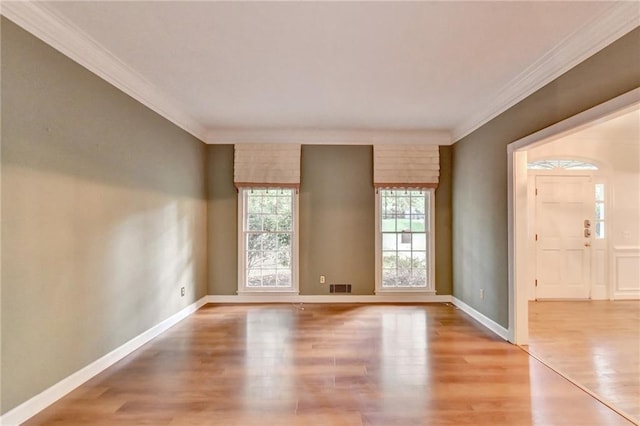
{"x":320,"y":213}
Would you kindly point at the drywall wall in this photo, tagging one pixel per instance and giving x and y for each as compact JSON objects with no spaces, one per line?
{"x":336,"y":214}
{"x":102,"y":217}
{"x":443,"y":243}
{"x":337,"y":218}
{"x":222,"y":213}
{"x":480,"y":257}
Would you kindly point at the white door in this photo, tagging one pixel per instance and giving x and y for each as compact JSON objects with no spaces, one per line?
{"x":564,"y":214}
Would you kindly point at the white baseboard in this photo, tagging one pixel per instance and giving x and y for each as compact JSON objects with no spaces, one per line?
{"x":381,"y":298}
{"x":481,"y":318}
{"x":626,"y":295}
{"x":33,"y":406}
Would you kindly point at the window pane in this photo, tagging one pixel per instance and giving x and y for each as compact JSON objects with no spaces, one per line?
{"x":599,"y":230}
{"x":254,"y":241}
{"x":269,"y":223}
{"x":284,"y":278}
{"x":599,"y":192}
{"x":268,"y":204}
{"x":404,"y":259}
{"x":599,"y":211}
{"x":255,"y":204}
{"x":283,"y":204}
{"x":389,"y":223}
{"x":284,"y":222}
{"x":405,"y":241}
{"x":254,"y":259}
{"x":389,"y":260}
{"x":417,"y":222}
{"x":284,"y":259}
{"x":389,"y":241}
{"x":419,"y":278}
{"x":419,"y":260}
{"x":268,"y":277}
{"x":389,"y":278}
{"x":419,"y":242}
{"x":269,"y":241}
{"x":254,"y":278}
{"x":254,"y":222}
{"x":269,"y":259}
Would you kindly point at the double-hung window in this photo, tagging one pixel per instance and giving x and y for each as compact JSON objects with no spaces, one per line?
{"x":268,"y":246}
{"x":405,"y":178}
{"x":267,"y":177}
{"x":404,"y":240}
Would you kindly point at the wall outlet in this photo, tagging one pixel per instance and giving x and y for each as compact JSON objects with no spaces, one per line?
{"x":323,"y":279}
{"x":482,"y":294}
{"x":182,"y":291}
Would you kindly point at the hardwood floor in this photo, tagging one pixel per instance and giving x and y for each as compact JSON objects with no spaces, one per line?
{"x":328,"y":365}
{"x":595,"y":344}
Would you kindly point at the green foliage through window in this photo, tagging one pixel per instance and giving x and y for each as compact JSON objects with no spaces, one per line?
{"x":268,"y":231}
{"x":405,"y":231}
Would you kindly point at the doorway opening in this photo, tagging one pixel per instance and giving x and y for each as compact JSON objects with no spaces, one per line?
{"x":579,"y":237}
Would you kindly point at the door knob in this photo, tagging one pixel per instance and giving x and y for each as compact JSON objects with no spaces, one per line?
{"x":587,"y":244}
{"x":587,"y":232}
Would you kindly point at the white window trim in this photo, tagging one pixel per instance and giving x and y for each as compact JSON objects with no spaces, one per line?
{"x":242,"y":285}
{"x":430,"y":288}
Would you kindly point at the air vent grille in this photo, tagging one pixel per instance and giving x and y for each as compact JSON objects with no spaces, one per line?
{"x":340,"y":288}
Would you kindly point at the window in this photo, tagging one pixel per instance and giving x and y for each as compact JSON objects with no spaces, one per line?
{"x":599,"y":234}
{"x":268,"y":240}
{"x":561,"y":164}
{"x":404,"y":241}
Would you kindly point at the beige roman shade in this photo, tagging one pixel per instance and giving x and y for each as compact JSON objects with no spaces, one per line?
{"x":267,"y":165}
{"x":406,"y":166}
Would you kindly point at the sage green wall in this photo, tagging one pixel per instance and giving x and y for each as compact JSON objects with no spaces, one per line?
{"x":222,"y":213}
{"x":480,"y":169}
{"x":102,"y":217}
{"x":443,"y":246}
{"x":337,"y":218}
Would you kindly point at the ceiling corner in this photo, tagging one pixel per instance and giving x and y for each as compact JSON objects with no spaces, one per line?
{"x":616,"y":21}
{"x":40,"y":21}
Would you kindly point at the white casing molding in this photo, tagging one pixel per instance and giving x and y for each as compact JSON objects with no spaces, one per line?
{"x":481,"y":318}
{"x":618,"y":20}
{"x":329,"y":137}
{"x":31,"y":407}
{"x":40,"y":21}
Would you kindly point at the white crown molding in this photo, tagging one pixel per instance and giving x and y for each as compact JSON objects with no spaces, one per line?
{"x":621,"y":18}
{"x":36,"y":18}
{"x":43,"y":23}
{"x":328,"y":137}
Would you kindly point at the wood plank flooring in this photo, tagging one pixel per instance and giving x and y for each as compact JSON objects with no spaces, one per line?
{"x":427,"y":364}
{"x":595,"y":343}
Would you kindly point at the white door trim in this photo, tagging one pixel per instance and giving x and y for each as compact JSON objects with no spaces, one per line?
{"x":517,"y":198}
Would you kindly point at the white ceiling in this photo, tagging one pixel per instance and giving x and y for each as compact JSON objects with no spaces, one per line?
{"x":231,"y":70}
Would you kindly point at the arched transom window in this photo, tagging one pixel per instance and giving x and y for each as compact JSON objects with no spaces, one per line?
{"x":561,"y":164}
